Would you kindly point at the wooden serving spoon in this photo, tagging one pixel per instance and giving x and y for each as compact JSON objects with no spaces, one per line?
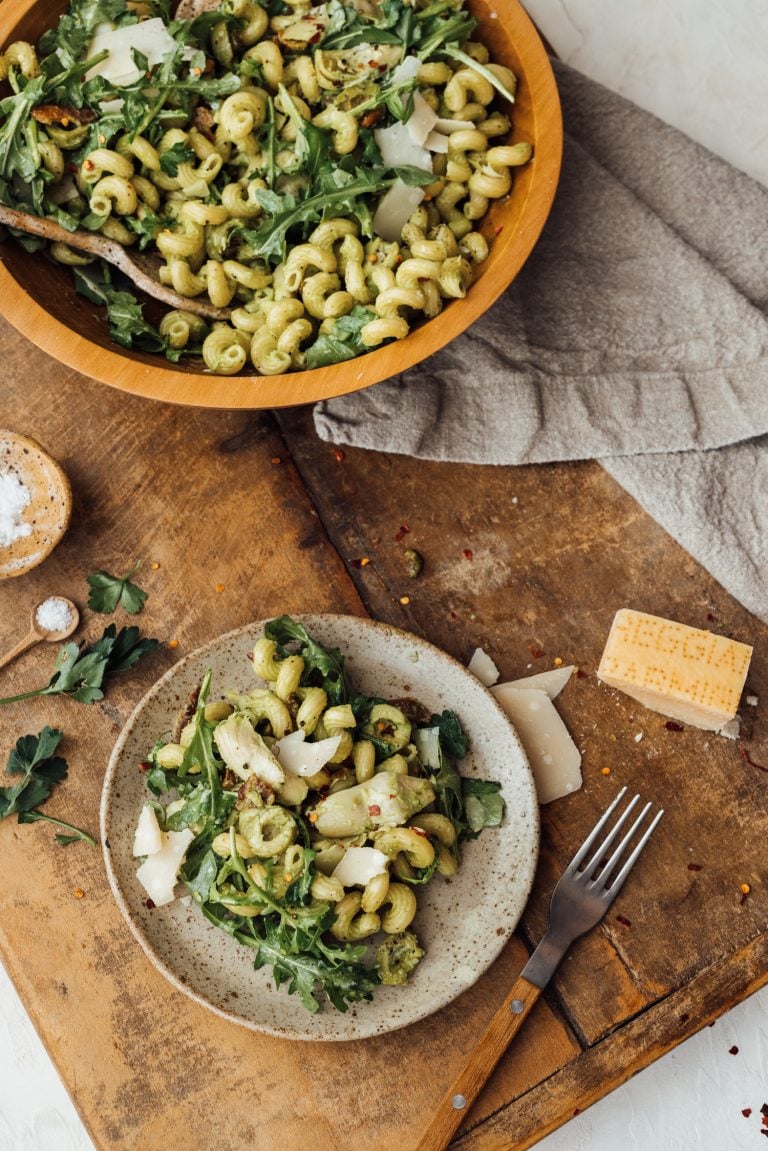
{"x":139,"y":267}
{"x":39,"y":634}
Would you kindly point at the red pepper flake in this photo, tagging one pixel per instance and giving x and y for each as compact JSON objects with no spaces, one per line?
{"x":536,"y":652}
{"x":468,"y":554}
{"x":499,"y":230}
{"x":145,"y":766}
{"x":150,"y":904}
{"x":276,"y":460}
{"x":581,"y":674}
{"x":420,"y":831}
{"x":695,"y":866}
{"x":670,"y":725}
{"x":577,"y":1110}
{"x":339,"y":455}
{"x":374,"y":809}
{"x":748,"y":759}
{"x":733,"y":1050}
{"x":746,"y":1112}
{"x":710,"y":617}
{"x":453,"y":615}
{"x":623,"y":920}
{"x":403,"y":531}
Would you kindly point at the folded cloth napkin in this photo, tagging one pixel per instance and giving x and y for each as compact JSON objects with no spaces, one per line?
{"x":636,"y":334}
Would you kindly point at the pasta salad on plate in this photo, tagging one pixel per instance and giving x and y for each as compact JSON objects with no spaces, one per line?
{"x":305,"y":818}
{"x":320,"y":173}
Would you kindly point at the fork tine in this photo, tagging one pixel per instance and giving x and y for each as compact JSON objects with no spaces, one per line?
{"x":599,"y":855}
{"x":615,"y":887}
{"x":602,"y":879}
{"x":586,"y":845}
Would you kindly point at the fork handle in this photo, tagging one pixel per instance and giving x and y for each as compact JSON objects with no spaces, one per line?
{"x":481,"y":1061}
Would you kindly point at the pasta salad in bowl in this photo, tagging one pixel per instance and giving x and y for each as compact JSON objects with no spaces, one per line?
{"x":323,"y":852}
{"x":325,"y":182}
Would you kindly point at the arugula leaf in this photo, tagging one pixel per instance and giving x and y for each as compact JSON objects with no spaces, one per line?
{"x":108,"y":591}
{"x":81,"y":672}
{"x":199,"y":754}
{"x":343,"y":342}
{"x":451,"y":733}
{"x":125,"y":314}
{"x":483,"y":805}
{"x":34,"y":759}
{"x":172,"y":157}
{"x":328,"y":662}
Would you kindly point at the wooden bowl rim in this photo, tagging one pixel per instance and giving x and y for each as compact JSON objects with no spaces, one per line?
{"x":253,"y":392}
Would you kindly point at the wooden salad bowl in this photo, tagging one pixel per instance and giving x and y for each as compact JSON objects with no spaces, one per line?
{"x":39,"y":298}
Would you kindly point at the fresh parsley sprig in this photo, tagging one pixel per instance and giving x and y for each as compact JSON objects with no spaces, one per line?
{"x":34,"y":761}
{"x":108,"y":592}
{"x":81,"y":672}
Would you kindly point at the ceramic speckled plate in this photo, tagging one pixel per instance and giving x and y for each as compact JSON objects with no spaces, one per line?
{"x":44,"y":519}
{"x":462,"y":923}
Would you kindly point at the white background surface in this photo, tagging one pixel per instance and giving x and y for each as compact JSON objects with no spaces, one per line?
{"x":700,"y":65}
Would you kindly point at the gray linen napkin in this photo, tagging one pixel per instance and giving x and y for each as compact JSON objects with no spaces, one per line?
{"x":636,"y":334}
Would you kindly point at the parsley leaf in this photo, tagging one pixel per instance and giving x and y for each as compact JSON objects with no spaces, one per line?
{"x":343,"y":341}
{"x":81,"y":672}
{"x":125,"y":314}
{"x":108,"y":591}
{"x":172,"y":157}
{"x":34,"y":759}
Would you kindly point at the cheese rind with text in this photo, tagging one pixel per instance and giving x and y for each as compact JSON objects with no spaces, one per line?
{"x":683,"y":672}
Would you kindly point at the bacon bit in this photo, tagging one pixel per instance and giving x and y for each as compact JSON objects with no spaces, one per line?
{"x":219,"y":587}
{"x":748,"y":759}
{"x":374,"y":809}
{"x":536,"y":652}
{"x":733,"y":1050}
{"x":670,"y":725}
{"x":62,"y":114}
{"x":404,"y":529}
{"x":468,"y":554}
{"x":623,"y":920}
{"x":339,"y":455}
{"x":276,"y":460}
{"x":78,"y":893}
{"x":405,"y":599}
{"x":695,"y":866}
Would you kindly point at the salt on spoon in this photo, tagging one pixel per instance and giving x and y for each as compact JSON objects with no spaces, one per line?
{"x":53,"y":619}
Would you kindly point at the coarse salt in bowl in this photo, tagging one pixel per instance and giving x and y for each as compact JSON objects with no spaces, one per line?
{"x":35,"y":504}
{"x":48,"y":310}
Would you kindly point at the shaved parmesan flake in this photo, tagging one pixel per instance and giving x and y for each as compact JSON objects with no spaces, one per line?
{"x":395,"y":209}
{"x":421,"y":121}
{"x":448,"y":126}
{"x":399,"y":150}
{"x":297,"y":756}
{"x":437,"y":142}
{"x":157,"y":874}
{"x":148,"y":839}
{"x":483,"y":667}
{"x":358,"y":865}
{"x":554,"y":758}
{"x":407,"y":69}
{"x":552,"y":682}
{"x":150,"y":37}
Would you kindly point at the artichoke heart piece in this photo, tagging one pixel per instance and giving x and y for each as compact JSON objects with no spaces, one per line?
{"x":245,"y":752}
{"x":349,"y":65}
{"x":385,"y":800}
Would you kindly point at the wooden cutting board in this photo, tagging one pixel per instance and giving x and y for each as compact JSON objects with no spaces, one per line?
{"x":247,"y":517}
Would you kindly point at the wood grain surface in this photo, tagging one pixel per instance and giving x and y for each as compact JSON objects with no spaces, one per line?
{"x":249,"y":515}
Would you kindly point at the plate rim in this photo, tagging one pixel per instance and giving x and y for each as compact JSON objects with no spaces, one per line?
{"x":285,"y":1032}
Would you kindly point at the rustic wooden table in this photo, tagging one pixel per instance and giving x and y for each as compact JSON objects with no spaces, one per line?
{"x":250,"y":515}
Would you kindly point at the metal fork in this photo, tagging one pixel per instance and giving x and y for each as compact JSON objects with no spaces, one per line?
{"x":579,"y":901}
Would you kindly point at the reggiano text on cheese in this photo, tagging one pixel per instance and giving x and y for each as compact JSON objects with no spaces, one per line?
{"x":684,"y":672}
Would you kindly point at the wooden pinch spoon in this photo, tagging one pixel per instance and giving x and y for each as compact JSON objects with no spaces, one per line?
{"x":40,"y":634}
{"x":140,"y":267}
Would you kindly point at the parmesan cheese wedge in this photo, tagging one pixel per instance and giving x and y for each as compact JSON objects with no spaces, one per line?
{"x":148,"y":839}
{"x":150,"y":37}
{"x":360,"y":864}
{"x":684,"y":672}
{"x":554,"y":758}
{"x":483,"y":667}
{"x":299,"y":757}
{"x":394,"y":210}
